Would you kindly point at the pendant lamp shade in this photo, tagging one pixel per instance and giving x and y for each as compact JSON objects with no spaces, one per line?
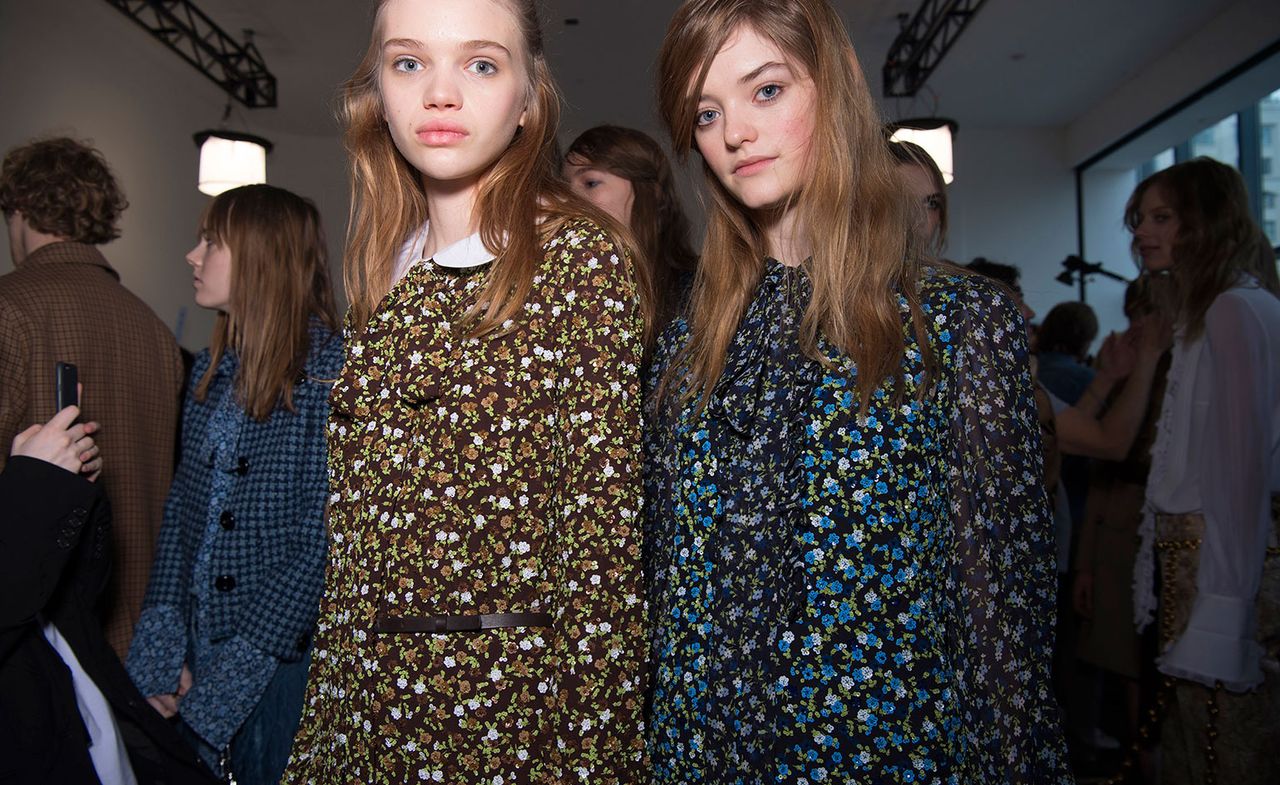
{"x":934,"y":134}
{"x":229,"y":159}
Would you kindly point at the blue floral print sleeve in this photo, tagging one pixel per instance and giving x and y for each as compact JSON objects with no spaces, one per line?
{"x":1003,"y":578}
{"x":846,"y":598}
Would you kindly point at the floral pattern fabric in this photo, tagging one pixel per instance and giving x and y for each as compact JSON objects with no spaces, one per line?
{"x":838,"y":598}
{"x":479,"y":476}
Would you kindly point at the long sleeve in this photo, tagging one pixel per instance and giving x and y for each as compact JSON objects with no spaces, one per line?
{"x":44,"y":511}
{"x":599,"y":634}
{"x":222,"y":699}
{"x":1219,"y":642}
{"x":1003,"y":564}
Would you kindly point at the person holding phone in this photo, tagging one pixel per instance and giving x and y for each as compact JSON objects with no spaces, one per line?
{"x":224,"y":637}
{"x":68,"y":711}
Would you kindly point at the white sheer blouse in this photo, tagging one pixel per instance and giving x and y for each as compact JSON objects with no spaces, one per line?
{"x":1217,"y":453}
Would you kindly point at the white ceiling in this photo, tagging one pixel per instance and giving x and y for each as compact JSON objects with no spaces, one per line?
{"x":1019,"y":63}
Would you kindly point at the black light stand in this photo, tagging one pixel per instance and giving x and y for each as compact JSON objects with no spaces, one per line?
{"x":1076,"y":270}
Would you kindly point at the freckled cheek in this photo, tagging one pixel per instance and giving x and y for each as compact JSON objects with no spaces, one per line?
{"x":798,"y":131}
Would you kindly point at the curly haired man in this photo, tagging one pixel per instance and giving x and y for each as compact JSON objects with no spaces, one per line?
{"x":64,"y":302}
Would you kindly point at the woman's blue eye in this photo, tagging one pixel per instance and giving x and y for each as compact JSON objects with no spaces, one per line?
{"x":406,"y":64}
{"x":769,"y":92}
{"x":707,"y":116}
{"x":483,"y":68}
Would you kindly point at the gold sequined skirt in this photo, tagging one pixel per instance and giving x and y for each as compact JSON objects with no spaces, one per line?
{"x":1211,"y":735}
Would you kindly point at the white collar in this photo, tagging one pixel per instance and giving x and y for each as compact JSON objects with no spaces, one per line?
{"x":467,"y":252}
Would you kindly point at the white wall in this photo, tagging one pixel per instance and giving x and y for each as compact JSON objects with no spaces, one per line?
{"x":1234,"y":35}
{"x":1013,"y":201}
{"x":139,"y":103}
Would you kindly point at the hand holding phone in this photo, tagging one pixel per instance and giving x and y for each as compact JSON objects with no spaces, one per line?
{"x":67,"y":378}
{"x":63,"y":442}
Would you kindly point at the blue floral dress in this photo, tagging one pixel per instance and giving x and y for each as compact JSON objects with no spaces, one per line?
{"x":846,"y":599}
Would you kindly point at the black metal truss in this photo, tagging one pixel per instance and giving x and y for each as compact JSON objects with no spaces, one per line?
{"x":237,"y":68}
{"x":923,"y":42}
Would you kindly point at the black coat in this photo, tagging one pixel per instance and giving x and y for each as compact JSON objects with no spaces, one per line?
{"x":55,"y":556}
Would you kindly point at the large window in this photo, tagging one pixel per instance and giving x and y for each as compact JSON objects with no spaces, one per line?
{"x":1246,"y":140}
{"x":1269,"y":144}
{"x":1220,"y":141}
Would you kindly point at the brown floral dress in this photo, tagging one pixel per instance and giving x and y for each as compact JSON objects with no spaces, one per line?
{"x":486,"y":476}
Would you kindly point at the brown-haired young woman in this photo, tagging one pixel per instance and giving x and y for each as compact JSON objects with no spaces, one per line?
{"x":482,"y":618}
{"x":625,"y":173}
{"x":1212,"y":494}
{"x":226,"y":624}
{"x":850,"y":551}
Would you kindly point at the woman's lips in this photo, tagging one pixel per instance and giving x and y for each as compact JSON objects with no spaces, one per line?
{"x":749,"y":166}
{"x":440,"y":134}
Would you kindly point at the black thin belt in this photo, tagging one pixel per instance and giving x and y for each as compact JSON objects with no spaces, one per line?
{"x":443,"y":624}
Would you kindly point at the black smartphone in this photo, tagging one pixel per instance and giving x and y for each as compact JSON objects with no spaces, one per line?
{"x":67,"y":378}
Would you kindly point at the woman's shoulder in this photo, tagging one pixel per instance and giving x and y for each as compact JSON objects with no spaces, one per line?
{"x":201,"y":362}
{"x":324,"y":350}
{"x":1247,"y":293}
{"x":577,"y":235}
{"x":949,"y":288}
{"x":578,"y":251}
{"x":200,"y":365}
{"x":1244,"y":310}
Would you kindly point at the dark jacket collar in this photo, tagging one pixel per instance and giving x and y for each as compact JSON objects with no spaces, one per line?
{"x":68,"y":252}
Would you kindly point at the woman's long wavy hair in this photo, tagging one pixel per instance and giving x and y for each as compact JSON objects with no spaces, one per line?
{"x":521,"y":203}
{"x":854,"y":207}
{"x":279,"y":281}
{"x":658,"y":222}
{"x":1217,"y":236}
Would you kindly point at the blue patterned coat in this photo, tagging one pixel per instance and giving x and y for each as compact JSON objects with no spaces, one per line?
{"x":268,"y":556}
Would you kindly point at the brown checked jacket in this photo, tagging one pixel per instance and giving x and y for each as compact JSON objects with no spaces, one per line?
{"x":66,"y":303}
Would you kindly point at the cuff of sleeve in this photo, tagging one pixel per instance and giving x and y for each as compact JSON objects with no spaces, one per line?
{"x":158,"y":650}
{"x":1217,"y":646}
{"x":222,"y":698}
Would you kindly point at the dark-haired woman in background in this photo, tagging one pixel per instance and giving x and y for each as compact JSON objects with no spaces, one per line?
{"x":625,"y":173}
{"x":1213,"y":495}
{"x":226,"y":625}
{"x":851,"y":553}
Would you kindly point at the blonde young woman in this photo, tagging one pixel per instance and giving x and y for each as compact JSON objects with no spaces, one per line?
{"x":482,"y":616}
{"x":226,"y":623}
{"x":850,"y":551}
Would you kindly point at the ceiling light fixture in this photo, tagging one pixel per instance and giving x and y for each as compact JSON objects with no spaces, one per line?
{"x":934,"y":135}
{"x":229,"y":159}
